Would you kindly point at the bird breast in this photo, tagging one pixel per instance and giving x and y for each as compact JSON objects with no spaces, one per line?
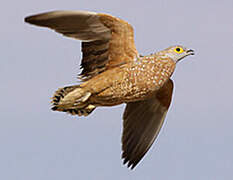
{"x":134,"y":81}
{"x":143,"y":77}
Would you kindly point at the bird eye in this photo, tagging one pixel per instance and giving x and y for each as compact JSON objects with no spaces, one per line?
{"x":178,"y":50}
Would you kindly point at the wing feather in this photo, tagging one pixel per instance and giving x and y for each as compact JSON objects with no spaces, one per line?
{"x":142,"y":123}
{"x":107,"y":41}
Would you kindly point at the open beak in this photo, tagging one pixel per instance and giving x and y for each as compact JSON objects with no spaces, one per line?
{"x":190,"y":52}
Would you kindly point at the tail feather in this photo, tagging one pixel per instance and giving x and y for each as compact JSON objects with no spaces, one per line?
{"x":73,"y":100}
{"x":81,"y":112}
{"x":61,"y":93}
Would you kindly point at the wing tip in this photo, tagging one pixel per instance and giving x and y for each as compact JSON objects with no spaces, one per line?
{"x":34,"y":19}
{"x":54,"y":14}
{"x":28,"y":19}
{"x":130,"y":163}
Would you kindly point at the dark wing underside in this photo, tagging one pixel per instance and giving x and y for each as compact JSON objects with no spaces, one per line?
{"x":142,"y":123}
{"x":107,"y":41}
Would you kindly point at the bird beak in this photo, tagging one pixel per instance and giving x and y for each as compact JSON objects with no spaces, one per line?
{"x":190,"y":52}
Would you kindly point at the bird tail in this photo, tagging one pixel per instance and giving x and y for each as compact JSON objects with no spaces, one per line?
{"x":73,"y":100}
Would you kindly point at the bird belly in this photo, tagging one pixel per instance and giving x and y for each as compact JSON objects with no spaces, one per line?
{"x":128,"y":84}
{"x":124,"y":90}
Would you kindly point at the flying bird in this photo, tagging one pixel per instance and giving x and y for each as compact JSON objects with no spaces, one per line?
{"x":113,"y":72}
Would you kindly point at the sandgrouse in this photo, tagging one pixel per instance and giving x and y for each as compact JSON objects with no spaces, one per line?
{"x":113,"y":73}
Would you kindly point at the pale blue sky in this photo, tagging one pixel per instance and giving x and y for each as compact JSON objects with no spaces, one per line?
{"x":196,"y":141}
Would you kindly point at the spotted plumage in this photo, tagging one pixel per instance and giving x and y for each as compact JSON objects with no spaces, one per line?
{"x":113,"y":73}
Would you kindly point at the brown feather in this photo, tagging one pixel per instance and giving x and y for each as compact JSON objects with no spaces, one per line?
{"x":142,"y":123}
{"x":107,"y":41}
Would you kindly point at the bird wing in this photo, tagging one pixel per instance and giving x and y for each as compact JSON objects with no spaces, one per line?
{"x":107,"y":41}
{"x":142,"y":123}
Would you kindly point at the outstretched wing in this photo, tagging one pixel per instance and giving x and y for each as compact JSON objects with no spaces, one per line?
{"x":142,"y":123}
{"x":107,"y":41}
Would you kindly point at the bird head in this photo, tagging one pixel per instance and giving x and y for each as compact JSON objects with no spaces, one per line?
{"x":176,"y":53}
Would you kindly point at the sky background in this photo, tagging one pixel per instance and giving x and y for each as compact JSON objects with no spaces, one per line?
{"x":196,"y":141}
